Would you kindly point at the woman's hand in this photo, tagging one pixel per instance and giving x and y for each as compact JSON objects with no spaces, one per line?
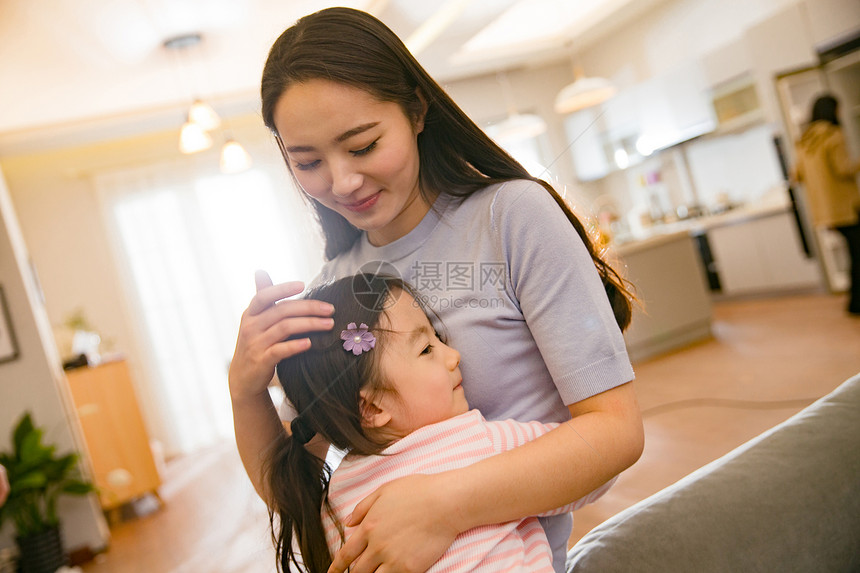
{"x":267,"y":322}
{"x":404,"y":526}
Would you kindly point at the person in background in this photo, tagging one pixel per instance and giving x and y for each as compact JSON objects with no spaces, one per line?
{"x":388,"y":391}
{"x":829,"y":175}
{"x":399,"y":175}
{"x":4,"y":485}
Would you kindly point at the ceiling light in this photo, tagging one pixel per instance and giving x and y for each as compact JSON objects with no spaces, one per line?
{"x":516,"y":127}
{"x":234,"y":158}
{"x":583,"y":93}
{"x":193,"y":138}
{"x":203,"y":115}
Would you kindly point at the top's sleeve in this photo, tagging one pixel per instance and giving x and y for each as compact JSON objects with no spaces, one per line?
{"x":837,"y":155}
{"x":560,"y":293}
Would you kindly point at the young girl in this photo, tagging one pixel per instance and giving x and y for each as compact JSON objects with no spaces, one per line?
{"x":387,"y":390}
{"x":398,"y":174}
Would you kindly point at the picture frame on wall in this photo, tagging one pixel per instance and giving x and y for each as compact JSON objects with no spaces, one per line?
{"x":8,"y":343}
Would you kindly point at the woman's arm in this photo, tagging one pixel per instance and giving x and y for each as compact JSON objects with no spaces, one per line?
{"x":267,"y":322}
{"x":408,"y":524}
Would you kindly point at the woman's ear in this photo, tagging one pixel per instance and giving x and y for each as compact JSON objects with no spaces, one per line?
{"x":418,"y":122}
{"x":373,"y":415}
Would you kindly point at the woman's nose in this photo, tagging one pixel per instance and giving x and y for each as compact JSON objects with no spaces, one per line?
{"x":345,"y":180}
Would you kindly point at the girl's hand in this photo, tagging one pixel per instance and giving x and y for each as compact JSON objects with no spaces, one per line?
{"x":404,"y":525}
{"x":266,"y":323}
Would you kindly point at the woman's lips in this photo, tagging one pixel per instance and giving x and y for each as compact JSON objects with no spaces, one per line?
{"x":362,"y":205}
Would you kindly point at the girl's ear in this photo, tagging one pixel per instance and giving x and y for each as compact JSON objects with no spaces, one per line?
{"x":372,"y":413}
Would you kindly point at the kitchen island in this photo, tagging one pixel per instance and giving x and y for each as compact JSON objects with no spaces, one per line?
{"x":674,"y":307}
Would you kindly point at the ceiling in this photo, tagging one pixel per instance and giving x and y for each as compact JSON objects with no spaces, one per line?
{"x":71,"y":65}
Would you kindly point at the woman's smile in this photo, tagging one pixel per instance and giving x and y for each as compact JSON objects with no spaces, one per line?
{"x":364,"y":204}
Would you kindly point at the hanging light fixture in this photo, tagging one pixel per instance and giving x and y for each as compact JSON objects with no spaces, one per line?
{"x":517,"y":126}
{"x":201,"y":118}
{"x":234,"y":158}
{"x":583,"y":93}
{"x":203,"y":115}
{"x":193,"y":138}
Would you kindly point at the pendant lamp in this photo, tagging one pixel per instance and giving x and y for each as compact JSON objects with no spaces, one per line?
{"x":517,"y":126}
{"x":193,"y":138}
{"x":583,"y":93}
{"x":234,"y":158}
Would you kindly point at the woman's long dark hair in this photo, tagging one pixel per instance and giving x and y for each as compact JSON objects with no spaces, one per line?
{"x":456,"y":157}
{"x":824,"y":109}
{"x":323,"y":385}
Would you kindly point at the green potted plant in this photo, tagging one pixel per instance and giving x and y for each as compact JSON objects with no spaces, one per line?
{"x":37,"y":478}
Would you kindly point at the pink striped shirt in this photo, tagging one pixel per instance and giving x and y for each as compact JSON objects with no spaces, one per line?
{"x":455,"y":443}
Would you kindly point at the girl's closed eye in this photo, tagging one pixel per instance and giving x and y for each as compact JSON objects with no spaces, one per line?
{"x":365,"y":150}
{"x":427,"y":349}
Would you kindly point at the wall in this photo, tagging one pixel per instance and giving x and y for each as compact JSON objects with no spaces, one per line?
{"x":35,"y":381}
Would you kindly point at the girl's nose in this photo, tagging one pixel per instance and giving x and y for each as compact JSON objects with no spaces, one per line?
{"x":453,"y":359}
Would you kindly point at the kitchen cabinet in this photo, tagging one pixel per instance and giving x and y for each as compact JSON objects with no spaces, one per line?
{"x":761,"y":254}
{"x":116,"y":438}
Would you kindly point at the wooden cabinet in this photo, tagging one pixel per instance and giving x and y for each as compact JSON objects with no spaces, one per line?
{"x":113,"y":428}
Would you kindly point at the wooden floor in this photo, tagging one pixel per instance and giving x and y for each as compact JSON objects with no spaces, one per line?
{"x":768,"y":359}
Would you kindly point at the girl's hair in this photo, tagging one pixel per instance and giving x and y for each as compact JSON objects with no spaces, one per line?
{"x":323,"y":384}
{"x":456,"y":157}
{"x":824,"y":109}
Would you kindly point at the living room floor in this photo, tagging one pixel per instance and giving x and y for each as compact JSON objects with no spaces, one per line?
{"x":768,"y":358}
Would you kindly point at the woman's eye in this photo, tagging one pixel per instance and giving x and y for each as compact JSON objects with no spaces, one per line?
{"x":365,"y":150}
{"x":307,"y":166}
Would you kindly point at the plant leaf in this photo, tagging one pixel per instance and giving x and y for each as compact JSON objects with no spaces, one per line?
{"x":24,"y":428}
{"x":75,"y":487}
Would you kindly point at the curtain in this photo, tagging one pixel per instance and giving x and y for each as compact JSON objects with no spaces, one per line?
{"x":187,"y":240}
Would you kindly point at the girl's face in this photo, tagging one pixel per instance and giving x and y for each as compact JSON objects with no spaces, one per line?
{"x":423,"y":372}
{"x":354,"y":154}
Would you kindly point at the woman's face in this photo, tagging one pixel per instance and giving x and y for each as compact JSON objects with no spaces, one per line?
{"x":354,"y":154}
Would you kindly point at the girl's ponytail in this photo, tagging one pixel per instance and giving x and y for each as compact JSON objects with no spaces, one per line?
{"x":297,"y":480}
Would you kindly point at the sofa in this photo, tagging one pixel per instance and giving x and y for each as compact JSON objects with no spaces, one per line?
{"x":787,"y":500}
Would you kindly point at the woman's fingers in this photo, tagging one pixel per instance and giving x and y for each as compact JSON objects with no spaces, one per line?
{"x":347,"y":556}
{"x":268,"y":295}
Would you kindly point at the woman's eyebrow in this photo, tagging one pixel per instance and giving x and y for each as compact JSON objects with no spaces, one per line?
{"x":355,"y":131}
{"x":339,"y":139}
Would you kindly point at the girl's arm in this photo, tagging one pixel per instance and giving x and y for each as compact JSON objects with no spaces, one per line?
{"x":409,"y":523}
{"x":266,"y":323}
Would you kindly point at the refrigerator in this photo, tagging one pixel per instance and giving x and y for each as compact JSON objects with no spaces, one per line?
{"x":838,"y":73}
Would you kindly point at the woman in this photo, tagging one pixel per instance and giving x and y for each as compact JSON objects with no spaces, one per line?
{"x":400,"y":176}
{"x":831,"y":185}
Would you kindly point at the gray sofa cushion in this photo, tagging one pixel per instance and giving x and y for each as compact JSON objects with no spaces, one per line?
{"x":788,"y":500}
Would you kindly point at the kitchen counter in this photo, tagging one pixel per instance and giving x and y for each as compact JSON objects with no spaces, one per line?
{"x":654,"y":235}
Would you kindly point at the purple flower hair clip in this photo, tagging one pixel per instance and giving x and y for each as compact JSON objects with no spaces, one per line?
{"x":357,"y":339}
